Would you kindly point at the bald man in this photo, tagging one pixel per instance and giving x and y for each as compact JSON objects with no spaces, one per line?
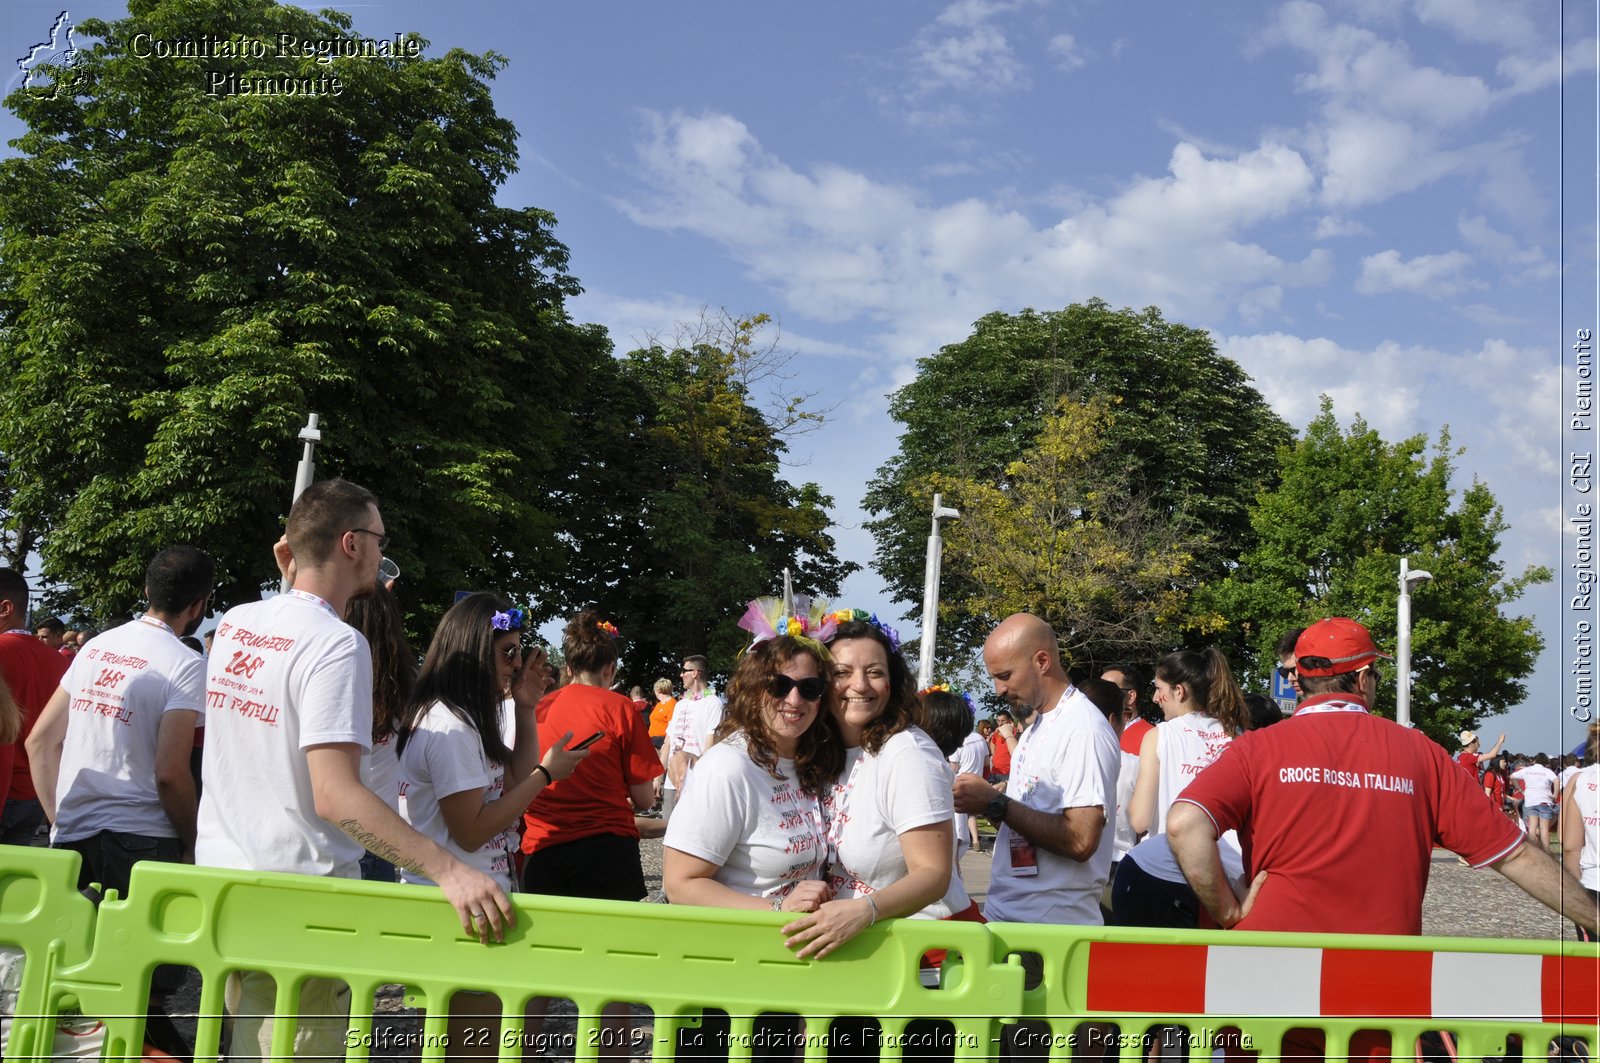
{"x":1053,"y":851}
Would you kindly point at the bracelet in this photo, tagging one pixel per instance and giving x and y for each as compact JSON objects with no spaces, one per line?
{"x":777,"y":903}
{"x":548,"y":778}
{"x":874,"y":904}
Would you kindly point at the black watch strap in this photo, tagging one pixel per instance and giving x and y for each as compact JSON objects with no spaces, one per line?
{"x":995,"y":810}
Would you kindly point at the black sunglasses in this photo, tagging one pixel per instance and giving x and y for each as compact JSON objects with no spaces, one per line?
{"x":383,"y":540}
{"x":1286,"y":673}
{"x":811,"y":687}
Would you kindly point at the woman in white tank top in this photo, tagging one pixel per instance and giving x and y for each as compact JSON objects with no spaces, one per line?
{"x":1204,"y":711}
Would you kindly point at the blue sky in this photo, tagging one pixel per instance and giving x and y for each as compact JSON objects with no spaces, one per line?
{"x":1362,"y":198}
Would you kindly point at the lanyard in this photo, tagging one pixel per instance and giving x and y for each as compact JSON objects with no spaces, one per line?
{"x":307,"y":596}
{"x":153,"y":622}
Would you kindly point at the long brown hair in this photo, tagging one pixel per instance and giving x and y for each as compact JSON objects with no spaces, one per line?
{"x":394,"y":665}
{"x":903,"y":708}
{"x":460,"y":671}
{"x":1211,"y":686}
{"x":819,"y":755}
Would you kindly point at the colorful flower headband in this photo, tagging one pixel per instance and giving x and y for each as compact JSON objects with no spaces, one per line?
{"x":845,"y":616}
{"x":608,"y":627}
{"x":765,"y":618}
{"x":944,"y":688}
{"x":510,"y":620}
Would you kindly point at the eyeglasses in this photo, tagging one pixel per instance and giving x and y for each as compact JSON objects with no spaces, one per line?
{"x":512,"y":652}
{"x":1377,"y":676}
{"x":690,"y":671}
{"x":1287,"y":672}
{"x":383,"y":540}
{"x":811,"y":687}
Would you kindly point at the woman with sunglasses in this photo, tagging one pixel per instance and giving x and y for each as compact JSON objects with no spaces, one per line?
{"x":890,"y":812}
{"x":463,"y":787}
{"x":1204,"y":710}
{"x":748,"y":832}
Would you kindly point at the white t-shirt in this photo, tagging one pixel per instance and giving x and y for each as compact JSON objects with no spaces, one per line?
{"x":1538,"y":785}
{"x":1127,"y":778}
{"x":1186,"y":746}
{"x":1561,"y":780}
{"x":693,"y":721}
{"x":1067,"y":759}
{"x":284,"y":674}
{"x":969,"y":756}
{"x":764,"y":834}
{"x":380,"y":770}
{"x":444,"y":756}
{"x":120,"y":685}
{"x":1586,"y":793}
{"x":876,"y":799}
{"x":1154,"y":857}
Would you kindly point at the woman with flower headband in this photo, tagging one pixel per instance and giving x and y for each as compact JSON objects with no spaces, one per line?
{"x":579,"y":833}
{"x":748,"y":833}
{"x":890,"y":811}
{"x":464,"y":789}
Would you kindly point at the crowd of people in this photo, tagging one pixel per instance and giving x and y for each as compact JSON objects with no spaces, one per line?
{"x":820,"y":783}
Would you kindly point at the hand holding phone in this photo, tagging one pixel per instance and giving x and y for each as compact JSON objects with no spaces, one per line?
{"x":587,"y":742}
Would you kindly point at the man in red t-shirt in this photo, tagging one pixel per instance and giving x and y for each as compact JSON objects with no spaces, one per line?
{"x":1338,"y":811}
{"x":33,"y":671}
{"x":1001,"y":743}
{"x":1469,"y":757}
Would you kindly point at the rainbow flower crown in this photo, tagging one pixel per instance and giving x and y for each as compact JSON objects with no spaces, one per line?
{"x":813,"y":622}
{"x":609,"y":628}
{"x":944,"y":688}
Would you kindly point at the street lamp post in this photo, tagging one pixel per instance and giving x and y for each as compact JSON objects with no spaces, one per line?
{"x":930,"y":590}
{"x":307,"y":468}
{"x":1402,"y":696}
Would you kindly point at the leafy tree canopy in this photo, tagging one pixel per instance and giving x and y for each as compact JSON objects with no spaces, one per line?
{"x":703,"y":520}
{"x":1065,"y":537}
{"x":184,"y":276}
{"x":1189,"y":435}
{"x":1329,"y":542}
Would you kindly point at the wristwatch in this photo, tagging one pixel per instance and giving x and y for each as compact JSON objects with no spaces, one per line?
{"x":995,"y":810}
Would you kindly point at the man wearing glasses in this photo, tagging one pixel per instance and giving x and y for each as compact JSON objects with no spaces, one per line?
{"x":1286,"y":660}
{"x":289,"y":713}
{"x":689,"y":734}
{"x":1338,"y":811}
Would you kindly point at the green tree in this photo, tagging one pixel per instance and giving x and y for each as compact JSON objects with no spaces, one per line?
{"x":681,"y":492}
{"x":1064,"y":537}
{"x":1329,"y":542}
{"x":1190,"y":435}
{"x":184,"y":276}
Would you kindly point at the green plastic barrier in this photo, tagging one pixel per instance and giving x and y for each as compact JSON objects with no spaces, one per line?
{"x":43,"y":916}
{"x":1100,"y":987}
{"x":677,"y":961}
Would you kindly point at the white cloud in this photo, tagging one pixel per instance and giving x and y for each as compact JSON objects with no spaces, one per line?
{"x":1357,"y":67}
{"x":1503,"y":22}
{"x":1434,"y":276}
{"x":1330,"y":225}
{"x":1068,"y":54}
{"x":963,"y":50}
{"x":1527,"y":263}
{"x":1529,"y":72}
{"x":838,"y":244}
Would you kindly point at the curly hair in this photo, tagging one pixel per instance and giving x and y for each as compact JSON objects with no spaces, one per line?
{"x":819,"y":756}
{"x":904,"y":709}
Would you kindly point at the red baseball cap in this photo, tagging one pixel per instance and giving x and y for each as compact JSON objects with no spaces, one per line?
{"x":1346,"y":644}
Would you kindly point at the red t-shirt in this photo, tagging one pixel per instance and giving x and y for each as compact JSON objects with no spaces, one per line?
{"x":1468,"y":761}
{"x":999,"y":755}
{"x":1133,"y":735}
{"x":1342,"y":810}
{"x":33,"y":671}
{"x":594,"y":799}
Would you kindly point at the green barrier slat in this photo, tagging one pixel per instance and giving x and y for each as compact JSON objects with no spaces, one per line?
{"x":42,"y":914}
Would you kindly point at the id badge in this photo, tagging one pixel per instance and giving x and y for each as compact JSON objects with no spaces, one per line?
{"x":1024,"y":861}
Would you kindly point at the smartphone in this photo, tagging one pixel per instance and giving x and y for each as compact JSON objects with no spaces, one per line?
{"x":587,"y":742}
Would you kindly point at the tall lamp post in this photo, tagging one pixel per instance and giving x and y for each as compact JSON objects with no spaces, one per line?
{"x":1402,"y":696}
{"x":930,"y":590}
{"x":307,"y":468}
